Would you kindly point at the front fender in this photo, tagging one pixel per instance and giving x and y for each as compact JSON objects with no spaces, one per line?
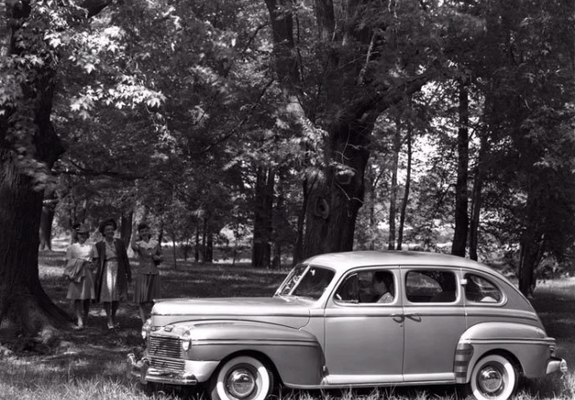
{"x":296,"y":354}
{"x":528,"y":345}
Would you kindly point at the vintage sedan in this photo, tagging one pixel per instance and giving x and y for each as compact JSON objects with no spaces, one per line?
{"x":355,"y":319}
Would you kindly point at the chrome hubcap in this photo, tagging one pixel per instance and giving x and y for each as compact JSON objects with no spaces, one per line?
{"x":241,"y":383}
{"x":490,"y":380}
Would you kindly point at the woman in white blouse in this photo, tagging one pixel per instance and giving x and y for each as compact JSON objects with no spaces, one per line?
{"x":79,"y":258}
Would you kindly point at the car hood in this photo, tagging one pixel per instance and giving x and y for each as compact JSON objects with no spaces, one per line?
{"x":288,"y":311}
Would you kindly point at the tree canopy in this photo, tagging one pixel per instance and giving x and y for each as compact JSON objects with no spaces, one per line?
{"x":301,"y":126}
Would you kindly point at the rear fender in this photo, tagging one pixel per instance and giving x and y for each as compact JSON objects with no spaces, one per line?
{"x":527,"y":346}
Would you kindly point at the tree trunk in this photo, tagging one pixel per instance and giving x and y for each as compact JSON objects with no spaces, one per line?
{"x":406,"y":190}
{"x":24,"y":305}
{"x":280,"y":218}
{"x":126,"y":222}
{"x":263,"y":218}
{"x":47,"y":218}
{"x":209,"y":250}
{"x":175,"y":250}
{"x":286,"y":62}
{"x":393,"y":194}
{"x":476,"y":199}
{"x":371,"y":184}
{"x":461,"y":198}
{"x":298,"y":248}
{"x":528,"y":261}
{"x":336,"y":199}
{"x":348,"y":113}
{"x":530,"y":247}
{"x":204,"y":238}
{"x":197,"y":245}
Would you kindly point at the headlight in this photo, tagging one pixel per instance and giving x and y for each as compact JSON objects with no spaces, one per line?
{"x":552,"y":350}
{"x":186,"y":340}
{"x":146,"y":328}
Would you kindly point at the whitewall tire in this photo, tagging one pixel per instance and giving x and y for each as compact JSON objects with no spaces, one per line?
{"x":493,"y":378}
{"x":241,"y":378}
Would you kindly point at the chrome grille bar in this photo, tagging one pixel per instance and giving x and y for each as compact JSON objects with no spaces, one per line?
{"x":164,"y":347}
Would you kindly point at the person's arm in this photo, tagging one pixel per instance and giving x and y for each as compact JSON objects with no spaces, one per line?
{"x":69,"y":253}
{"x":134,"y":243}
{"x":158,"y":253}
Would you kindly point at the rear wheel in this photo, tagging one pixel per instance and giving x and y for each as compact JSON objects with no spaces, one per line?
{"x":493,"y":378}
{"x":241,"y":378}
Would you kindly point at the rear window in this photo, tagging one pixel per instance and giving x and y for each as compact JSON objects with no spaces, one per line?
{"x":481,"y":290}
{"x":430,"y":286}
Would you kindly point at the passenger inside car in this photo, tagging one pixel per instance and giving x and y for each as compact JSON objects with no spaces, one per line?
{"x":481,"y":290}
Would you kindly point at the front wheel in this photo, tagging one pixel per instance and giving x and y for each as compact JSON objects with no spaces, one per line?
{"x":241,"y":378}
{"x":493,"y":378}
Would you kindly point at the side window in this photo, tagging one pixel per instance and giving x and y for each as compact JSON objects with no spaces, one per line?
{"x":348,"y":291}
{"x":314,"y":283}
{"x":371,"y":286}
{"x":376,"y":286}
{"x":429,"y":286}
{"x":481,"y":290}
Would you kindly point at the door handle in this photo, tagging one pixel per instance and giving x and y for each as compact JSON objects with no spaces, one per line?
{"x":414,"y":316}
{"x":398,"y":317}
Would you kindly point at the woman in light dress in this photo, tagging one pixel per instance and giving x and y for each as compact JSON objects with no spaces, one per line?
{"x":113,"y":273}
{"x":79,"y":258}
{"x":147,"y":286}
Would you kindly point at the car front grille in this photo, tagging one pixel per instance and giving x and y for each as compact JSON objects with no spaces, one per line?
{"x":167,"y":363}
{"x":165,"y":353}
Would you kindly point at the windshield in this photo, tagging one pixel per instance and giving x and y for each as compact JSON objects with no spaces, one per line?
{"x":306,"y":281}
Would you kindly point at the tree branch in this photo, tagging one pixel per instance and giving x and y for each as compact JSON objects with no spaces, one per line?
{"x":94,"y":7}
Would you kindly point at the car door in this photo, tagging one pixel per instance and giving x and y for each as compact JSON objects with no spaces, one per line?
{"x":434,"y":321}
{"x":363,"y":339}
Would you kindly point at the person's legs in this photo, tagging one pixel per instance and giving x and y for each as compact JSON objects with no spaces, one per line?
{"x":115,"y":305}
{"x":143,"y":312}
{"x":86,"y":310}
{"x":78,"y":309}
{"x":108,"y":308}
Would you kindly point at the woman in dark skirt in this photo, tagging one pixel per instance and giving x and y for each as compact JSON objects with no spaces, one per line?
{"x":147,"y":287}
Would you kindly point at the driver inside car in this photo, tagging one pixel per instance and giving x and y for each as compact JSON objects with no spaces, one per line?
{"x":380,"y":290}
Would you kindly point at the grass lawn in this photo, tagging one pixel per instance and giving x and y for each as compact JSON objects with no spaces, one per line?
{"x":89,"y":364}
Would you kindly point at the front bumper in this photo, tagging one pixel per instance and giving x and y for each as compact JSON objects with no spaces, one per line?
{"x":555,"y":364}
{"x":193,"y":373}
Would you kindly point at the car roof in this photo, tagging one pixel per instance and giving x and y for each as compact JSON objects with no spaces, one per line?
{"x":346,"y":260}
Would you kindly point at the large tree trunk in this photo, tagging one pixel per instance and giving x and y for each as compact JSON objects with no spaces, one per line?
{"x":263,"y":218}
{"x":461,"y":197}
{"x":24,"y":305}
{"x":347,"y":112}
{"x":336,"y":199}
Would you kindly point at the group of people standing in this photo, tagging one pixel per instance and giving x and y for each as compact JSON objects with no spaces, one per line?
{"x":102,"y":272}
